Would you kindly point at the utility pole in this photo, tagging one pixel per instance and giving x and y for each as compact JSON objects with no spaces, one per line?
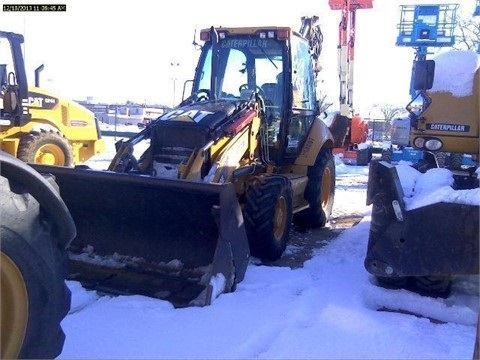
{"x":174,"y":65}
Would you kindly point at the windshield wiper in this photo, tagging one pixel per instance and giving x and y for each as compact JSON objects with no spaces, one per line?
{"x":268,"y":57}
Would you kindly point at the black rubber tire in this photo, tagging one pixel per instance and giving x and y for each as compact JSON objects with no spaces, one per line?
{"x":433,"y":286}
{"x":268,"y":216}
{"x":429,"y":161}
{"x":35,"y":145}
{"x":441,"y":158}
{"x":476,"y":349}
{"x":320,"y":192}
{"x":392,"y":282}
{"x":26,"y":236}
{"x":387,"y":155}
{"x":48,"y":295}
{"x":455,"y":161}
{"x":439,"y":286}
{"x":363,"y":156}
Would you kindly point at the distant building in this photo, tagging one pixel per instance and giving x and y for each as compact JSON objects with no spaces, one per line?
{"x":151,"y":113}
{"x":125,"y":114}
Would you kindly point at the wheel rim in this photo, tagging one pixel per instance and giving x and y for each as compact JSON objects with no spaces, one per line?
{"x":280,"y":218}
{"x":14,"y":314}
{"x":50,"y":154}
{"x":326,"y":187}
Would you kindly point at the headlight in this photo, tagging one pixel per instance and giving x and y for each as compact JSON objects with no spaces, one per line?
{"x":433,"y":144}
{"x":419,"y":142}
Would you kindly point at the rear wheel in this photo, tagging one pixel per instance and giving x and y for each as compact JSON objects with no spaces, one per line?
{"x":48,"y":148}
{"x":320,"y":192}
{"x":268,"y":216}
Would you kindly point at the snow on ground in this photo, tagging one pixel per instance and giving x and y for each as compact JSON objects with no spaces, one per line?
{"x":326,"y":310}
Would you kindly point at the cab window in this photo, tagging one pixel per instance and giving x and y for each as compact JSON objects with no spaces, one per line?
{"x":6,"y":64}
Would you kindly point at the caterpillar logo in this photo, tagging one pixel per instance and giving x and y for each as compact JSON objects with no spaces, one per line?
{"x":186,"y":115}
{"x":40,"y":101}
{"x":448,"y":127}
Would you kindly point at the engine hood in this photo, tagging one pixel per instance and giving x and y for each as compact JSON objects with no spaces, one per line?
{"x":208,"y":114}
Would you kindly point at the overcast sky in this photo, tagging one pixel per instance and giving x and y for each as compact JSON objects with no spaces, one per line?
{"x":119,"y":50}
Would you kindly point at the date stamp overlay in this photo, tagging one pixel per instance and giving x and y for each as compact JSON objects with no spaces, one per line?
{"x":33,"y":7}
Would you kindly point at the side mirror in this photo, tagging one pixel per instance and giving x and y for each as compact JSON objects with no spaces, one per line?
{"x":418,"y":106}
{"x":423,"y":73}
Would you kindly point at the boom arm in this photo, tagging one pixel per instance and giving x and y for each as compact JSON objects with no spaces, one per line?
{"x":311,"y":31}
{"x":346,"y":47}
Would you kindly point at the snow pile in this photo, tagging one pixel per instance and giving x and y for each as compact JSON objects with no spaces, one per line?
{"x":363,"y":146}
{"x":81,"y":298}
{"x":433,"y":186}
{"x":401,"y":300}
{"x":454,"y":72}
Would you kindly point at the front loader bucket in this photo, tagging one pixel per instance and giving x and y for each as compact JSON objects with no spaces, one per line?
{"x":435,"y":240}
{"x":180,"y":241}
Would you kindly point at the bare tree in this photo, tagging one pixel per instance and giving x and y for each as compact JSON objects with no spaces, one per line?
{"x":323,"y":104}
{"x":467,"y":34}
{"x":389,"y":112}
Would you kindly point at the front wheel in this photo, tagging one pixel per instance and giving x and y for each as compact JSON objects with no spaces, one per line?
{"x":268,"y":216}
{"x":35,"y":228}
{"x":34,"y":296}
{"x":320,"y":192}
{"x":47,"y":148}
{"x":433,"y":285}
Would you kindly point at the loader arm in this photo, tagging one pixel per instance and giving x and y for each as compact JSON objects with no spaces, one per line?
{"x":240,"y":141}
{"x":124,"y":149}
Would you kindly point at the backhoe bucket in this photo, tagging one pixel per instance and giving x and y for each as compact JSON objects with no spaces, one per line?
{"x":435,"y":240}
{"x":180,"y":241}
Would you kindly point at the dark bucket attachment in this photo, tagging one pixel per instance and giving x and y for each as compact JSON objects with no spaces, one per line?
{"x":435,"y":240}
{"x":339,"y":129}
{"x":180,"y":241}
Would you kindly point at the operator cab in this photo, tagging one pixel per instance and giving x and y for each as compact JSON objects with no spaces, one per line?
{"x":13,"y":81}
{"x":257,"y":61}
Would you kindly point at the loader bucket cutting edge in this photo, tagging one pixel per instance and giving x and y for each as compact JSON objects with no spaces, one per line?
{"x":156,"y":237}
{"x":440,"y":239}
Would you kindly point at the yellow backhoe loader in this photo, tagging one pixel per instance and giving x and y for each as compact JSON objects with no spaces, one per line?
{"x":225,"y":174}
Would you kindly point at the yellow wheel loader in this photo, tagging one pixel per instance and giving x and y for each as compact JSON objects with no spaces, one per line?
{"x":35,"y":229}
{"x":223,"y":176}
{"x":35,"y":125}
